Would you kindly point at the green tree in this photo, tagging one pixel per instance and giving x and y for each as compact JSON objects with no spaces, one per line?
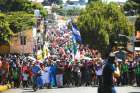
{"x":45,"y":2}
{"x":21,"y":5}
{"x":50,"y":2}
{"x":19,"y":21}
{"x":14,"y":5}
{"x":5,"y":31}
{"x":59,"y":2}
{"x":100,"y":24}
{"x":67,"y":12}
{"x":137,"y":1}
{"x":131,"y":6}
{"x":89,"y":1}
{"x":137,"y":24}
{"x":18,"y":16}
{"x":39,"y":6}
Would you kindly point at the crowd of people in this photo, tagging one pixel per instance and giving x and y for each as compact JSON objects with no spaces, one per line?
{"x":67,"y":64}
{"x":20,"y":70}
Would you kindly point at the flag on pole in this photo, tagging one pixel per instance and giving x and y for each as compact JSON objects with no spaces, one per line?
{"x":76,"y":33}
{"x":74,"y":45}
{"x":76,"y":53}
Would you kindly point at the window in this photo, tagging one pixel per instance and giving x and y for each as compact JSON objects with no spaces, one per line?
{"x":23,"y":40}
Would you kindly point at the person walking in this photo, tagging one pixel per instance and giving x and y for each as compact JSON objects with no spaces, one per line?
{"x":99,"y":71}
{"x":124,"y":73}
{"x":16,"y":77}
{"x":131,"y":72}
{"x":53,"y":75}
{"x":25,"y":76}
{"x":36,"y":71}
{"x":110,"y":70}
{"x":137,"y":73}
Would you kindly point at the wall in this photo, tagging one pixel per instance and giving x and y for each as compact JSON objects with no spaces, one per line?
{"x":16,"y":46}
{"x":4,"y":48}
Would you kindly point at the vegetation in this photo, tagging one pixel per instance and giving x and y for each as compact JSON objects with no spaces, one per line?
{"x":137,"y":24}
{"x":137,"y":1}
{"x":5,"y":31}
{"x":21,"y":5}
{"x":89,"y":1}
{"x":66,"y":12}
{"x":69,"y":12}
{"x":19,"y":21}
{"x":132,"y":7}
{"x":101,"y":23}
{"x":17,"y":15}
{"x":50,"y":2}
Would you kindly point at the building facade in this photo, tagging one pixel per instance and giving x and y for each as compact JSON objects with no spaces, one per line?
{"x":22,"y":42}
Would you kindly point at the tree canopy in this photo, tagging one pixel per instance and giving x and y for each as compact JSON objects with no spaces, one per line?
{"x":68,"y":12}
{"x":5,"y":31}
{"x":19,"y":21}
{"x":89,"y":1}
{"x":137,"y":1}
{"x":17,"y":15}
{"x":137,"y":24}
{"x":131,"y":6}
{"x":50,"y":2}
{"x":134,"y":5}
{"x":100,"y":24}
{"x":21,"y":5}
{"x":14,"y":22}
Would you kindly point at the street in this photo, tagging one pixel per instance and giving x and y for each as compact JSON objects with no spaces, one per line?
{"x":76,"y":43}
{"x":126,"y":89}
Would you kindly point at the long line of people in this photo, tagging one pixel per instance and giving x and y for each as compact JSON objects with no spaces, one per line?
{"x":63,"y":73}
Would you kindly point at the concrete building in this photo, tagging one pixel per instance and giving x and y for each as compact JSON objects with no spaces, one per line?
{"x":22,"y":42}
{"x":4,"y":47}
{"x":25,"y":42}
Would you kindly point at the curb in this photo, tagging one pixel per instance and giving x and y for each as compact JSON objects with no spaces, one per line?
{"x":4,"y":87}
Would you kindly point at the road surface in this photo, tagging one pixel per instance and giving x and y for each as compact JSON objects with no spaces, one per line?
{"x":126,"y":89}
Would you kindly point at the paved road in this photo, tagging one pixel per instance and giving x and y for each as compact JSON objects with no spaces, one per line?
{"x":127,"y":89}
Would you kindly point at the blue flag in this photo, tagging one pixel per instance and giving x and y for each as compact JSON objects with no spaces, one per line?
{"x":76,"y":33}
